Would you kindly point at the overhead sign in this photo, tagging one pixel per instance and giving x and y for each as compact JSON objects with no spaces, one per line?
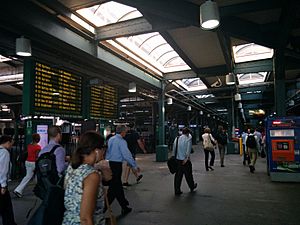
{"x":103,"y":102}
{"x":52,"y":91}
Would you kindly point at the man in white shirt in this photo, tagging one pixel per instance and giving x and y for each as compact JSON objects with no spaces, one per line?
{"x":6,"y":209}
{"x":183,"y":148}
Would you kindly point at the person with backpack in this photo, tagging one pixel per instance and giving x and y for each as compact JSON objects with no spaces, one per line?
{"x":252,"y":149}
{"x":32,"y":150}
{"x":51,"y":164}
{"x":84,"y":194}
{"x":6,"y":208}
{"x":222,"y":142}
{"x":209,"y":148}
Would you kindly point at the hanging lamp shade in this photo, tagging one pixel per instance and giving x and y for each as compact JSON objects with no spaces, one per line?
{"x":240,"y":105}
{"x":230,"y":80}
{"x":201,"y":112}
{"x":23,"y":46}
{"x":209,"y":15}
{"x":189,"y":108}
{"x":169,"y":101}
{"x":132,"y":87}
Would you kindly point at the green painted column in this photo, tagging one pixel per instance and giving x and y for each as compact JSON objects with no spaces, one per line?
{"x":279,"y":83}
{"x":161,"y":149}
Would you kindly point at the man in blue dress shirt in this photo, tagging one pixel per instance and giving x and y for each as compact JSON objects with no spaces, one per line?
{"x":6,"y":209}
{"x":117,"y":153}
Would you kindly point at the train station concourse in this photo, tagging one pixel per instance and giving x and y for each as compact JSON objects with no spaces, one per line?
{"x":159,"y":67}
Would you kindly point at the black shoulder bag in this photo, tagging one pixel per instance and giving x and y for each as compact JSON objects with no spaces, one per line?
{"x":172,"y":161}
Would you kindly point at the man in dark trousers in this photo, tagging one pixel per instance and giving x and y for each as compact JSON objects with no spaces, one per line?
{"x":182,"y":148}
{"x":117,"y":153}
{"x":133,"y":142}
{"x":6,"y":209}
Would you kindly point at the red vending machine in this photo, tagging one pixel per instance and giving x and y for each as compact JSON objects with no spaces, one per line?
{"x":283,"y":148}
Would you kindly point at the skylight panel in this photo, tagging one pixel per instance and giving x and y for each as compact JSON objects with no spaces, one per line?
{"x":108,"y":13}
{"x":194,"y":84}
{"x":151,"y":47}
{"x":250,"y":78}
{"x":251,"y":52}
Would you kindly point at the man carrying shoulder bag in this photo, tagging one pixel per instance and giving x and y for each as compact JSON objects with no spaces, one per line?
{"x":184,"y":146}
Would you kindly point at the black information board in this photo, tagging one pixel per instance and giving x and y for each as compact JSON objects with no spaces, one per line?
{"x":103,"y":102}
{"x":55,"y":92}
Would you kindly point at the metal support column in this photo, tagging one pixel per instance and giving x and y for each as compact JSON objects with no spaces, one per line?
{"x":279,"y":82}
{"x":161,"y":149}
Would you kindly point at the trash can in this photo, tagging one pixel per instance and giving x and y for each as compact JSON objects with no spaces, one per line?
{"x":161,"y":153}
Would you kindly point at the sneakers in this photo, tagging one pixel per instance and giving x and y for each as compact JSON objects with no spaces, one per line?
{"x":195,"y":186}
{"x":126,"y":210}
{"x":251,"y":169}
{"x":19,"y":195}
{"x":139,"y":178}
{"x":210,"y":168}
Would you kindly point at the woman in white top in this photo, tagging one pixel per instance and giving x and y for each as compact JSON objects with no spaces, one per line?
{"x":208,"y":146}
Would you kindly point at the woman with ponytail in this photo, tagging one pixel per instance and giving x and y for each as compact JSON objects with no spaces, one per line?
{"x":84,"y":197}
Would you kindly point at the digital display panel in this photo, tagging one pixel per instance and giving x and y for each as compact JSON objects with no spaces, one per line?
{"x":103,"y":102}
{"x":282,"y":146}
{"x":56,"y":92}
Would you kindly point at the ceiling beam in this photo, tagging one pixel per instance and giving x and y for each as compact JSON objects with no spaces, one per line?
{"x":180,"y":75}
{"x":265,"y":65}
{"x":249,"y":7}
{"x":134,"y":27}
{"x":226,"y":49}
{"x":249,"y":31}
{"x":183,"y":12}
{"x":8,"y":98}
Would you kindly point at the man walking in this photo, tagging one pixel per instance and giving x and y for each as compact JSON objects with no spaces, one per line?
{"x":118,"y":152}
{"x":183,"y":145}
{"x":6,"y":209}
{"x":252,"y":149}
{"x":133,"y":141}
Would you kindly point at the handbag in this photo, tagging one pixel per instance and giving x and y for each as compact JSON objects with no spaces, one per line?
{"x":208,"y":144}
{"x":172,"y":161}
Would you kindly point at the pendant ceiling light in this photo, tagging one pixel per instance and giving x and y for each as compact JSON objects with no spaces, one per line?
{"x":209,"y":15}
{"x":132,"y":87}
{"x":23,"y":47}
{"x":240,"y":105}
{"x":237,"y":97}
{"x":189,"y":108}
{"x":201,"y":112}
{"x":230,"y":79}
{"x":169,"y":101}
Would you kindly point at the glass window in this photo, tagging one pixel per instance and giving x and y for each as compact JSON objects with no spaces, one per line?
{"x":250,"y":78}
{"x":150,"y":47}
{"x":251,"y":52}
{"x":193,"y":84}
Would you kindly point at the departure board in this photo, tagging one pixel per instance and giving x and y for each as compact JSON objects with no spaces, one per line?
{"x":103,"y":102}
{"x":56,"y":92}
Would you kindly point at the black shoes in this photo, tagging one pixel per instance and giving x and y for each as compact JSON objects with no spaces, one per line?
{"x":222,"y":166}
{"x":126,"y":184}
{"x":178,"y":193}
{"x":139,"y":178}
{"x":195,"y":186}
{"x":252,"y":169}
{"x":126,"y":210}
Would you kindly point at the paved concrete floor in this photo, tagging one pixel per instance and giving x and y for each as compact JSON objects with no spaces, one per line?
{"x":225,"y":196}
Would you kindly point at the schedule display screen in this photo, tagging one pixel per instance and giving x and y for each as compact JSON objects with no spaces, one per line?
{"x":103,"y":102}
{"x":54,"y":91}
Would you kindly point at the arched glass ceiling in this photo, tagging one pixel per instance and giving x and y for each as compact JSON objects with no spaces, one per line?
{"x":251,"y":52}
{"x":193,"y":84}
{"x":108,"y":13}
{"x":249,"y":78}
{"x":151,"y":47}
